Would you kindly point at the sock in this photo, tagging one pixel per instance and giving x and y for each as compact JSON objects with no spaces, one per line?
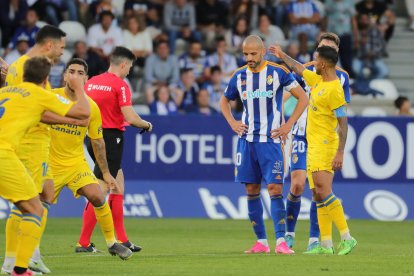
{"x":313,"y":218}
{"x":30,"y":231}
{"x":346,"y":236}
{"x":290,"y":234}
{"x":325,"y":224}
{"x":104,"y":218}
{"x":312,"y":240}
{"x":88,"y":225}
{"x":255,"y":207}
{"x":279,"y":241}
{"x":12,"y":230}
{"x":116,"y":202}
{"x":36,"y":253}
{"x":263,"y":241}
{"x":278,"y":212}
{"x":336,"y":212}
{"x":292,"y":211}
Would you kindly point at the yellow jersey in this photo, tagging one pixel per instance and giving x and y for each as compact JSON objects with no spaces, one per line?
{"x":21,"y":107}
{"x":66,"y":146}
{"x":40,"y":132}
{"x":325,"y":97}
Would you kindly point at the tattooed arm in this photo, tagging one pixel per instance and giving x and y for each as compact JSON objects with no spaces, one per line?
{"x":342,"y":133}
{"x":295,"y":66}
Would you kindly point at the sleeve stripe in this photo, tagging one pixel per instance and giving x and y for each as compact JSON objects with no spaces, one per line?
{"x":342,"y":70}
{"x":238,"y":70}
{"x":279,"y":66}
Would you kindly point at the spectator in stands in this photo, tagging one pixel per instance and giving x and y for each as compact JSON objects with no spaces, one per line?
{"x":202,"y":106}
{"x":304,"y":54}
{"x":22,"y":46}
{"x":403,"y":105}
{"x":161,"y":69}
{"x":96,"y":65}
{"x":12,"y":14}
{"x":194,"y":59}
{"x":380,"y":12}
{"x":136,"y":8}
{"x":163,"y":103}
{"x":369,"y":63}
{"x":56,"y":74}
{"x":138,"y":39}
{"x":215,"y":87}
{"x":280,"y":12}
{"x":212,"y":18}
{"x":104,"y":36}
{"x":188,"y":88}
{"x":304,"y":17}
{"x":269,"y":33}
{"x":54,"y":9}
{"x":341,"y":17}
{"x":27,"y":32}
{"x":410,"y":10}
{"x":235,"y":38}
{"x":248,"y":9}
{"x":180,"y":22}
{"x":220,"y":57}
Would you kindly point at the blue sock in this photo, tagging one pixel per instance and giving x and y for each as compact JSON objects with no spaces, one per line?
{"x":292,"y":211}
{"x":278,"y":211}
{"x":255,"y":207}
{"x":314,"y":226}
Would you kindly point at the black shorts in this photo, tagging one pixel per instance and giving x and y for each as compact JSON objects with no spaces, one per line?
{"x":114,"y":145}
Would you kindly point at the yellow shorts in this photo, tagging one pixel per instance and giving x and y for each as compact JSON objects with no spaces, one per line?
{"x":319,"y":159}
{"x":15,"y":182}
{"x":35,"y":157}
{"x":74,"y":178}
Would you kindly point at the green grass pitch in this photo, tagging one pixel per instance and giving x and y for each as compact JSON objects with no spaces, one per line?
{"x":208,"y":247}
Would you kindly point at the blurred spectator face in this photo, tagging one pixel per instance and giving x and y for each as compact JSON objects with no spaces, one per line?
{"x":133,"y":25}
{"x":364,"y":21}
{"x":55,"y":49}
{"x":106,"y":22}
{"x":22,"y":46}
{"x":241,"y":26}
{"x":216,"y":77}
{"x":405,"y":107}
{"x":264,"y":22}
{"x":303,"y":43}
{"x":152,"y":15}
{"x":203,"y":98}
{"x":163,"y":94}
{"x":81,"y":49}
{"x":221,"y":47}
{"x":188,"y":78}
{"x":293,"y":50}
{"x":163,"y":50}
{"x":31,"y":18}
{"x":195,"y":50}
{"x":180,"y":3}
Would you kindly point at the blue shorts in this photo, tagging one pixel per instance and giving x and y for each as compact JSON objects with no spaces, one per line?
{"x":256,"y":161}
{"x":298,"y":154}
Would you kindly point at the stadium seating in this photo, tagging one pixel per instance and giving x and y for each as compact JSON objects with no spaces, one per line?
{"x":75,"y":31}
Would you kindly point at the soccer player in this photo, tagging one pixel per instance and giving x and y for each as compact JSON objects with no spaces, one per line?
{"x":4,"y":67}
{"x":34,"y":148}
{"x":326,"y":133}
{"x":259,"y":156}
{"x":298,"y":155}
{"x":112,"y":95}
{"x":69,"y":167}
{"x":21,"y":107}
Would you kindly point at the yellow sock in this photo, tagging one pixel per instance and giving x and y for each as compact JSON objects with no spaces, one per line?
{"x":104,"y":218}
{"x":336,"y":212}
{"x":324,"y":222}
{"x":46,"y":207}
{"x":30,"y":232}
{"x":12,"y":229}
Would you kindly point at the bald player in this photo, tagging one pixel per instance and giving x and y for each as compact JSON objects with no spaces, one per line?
{"x":260,"y":86}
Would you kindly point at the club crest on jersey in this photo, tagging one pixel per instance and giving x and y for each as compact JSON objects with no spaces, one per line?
{"x":277,"y":167}
{"x":295,"y":158}
{"x":269,"y":79}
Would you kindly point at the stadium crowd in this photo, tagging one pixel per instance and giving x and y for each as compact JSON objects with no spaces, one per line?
{"x":187,"y":50}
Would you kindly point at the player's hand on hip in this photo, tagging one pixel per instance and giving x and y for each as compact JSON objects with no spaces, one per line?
{"x":281,"y":132}
{"x":239,"y":127}
{"x":338,"y":161}
{"x":110,"y":181}
{"x":276,"y":50}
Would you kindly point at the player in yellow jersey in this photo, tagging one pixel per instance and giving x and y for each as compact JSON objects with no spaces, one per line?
{"x":21,"y":107}
{"x":4,"y":67}
{"x":68,"y":164}
{"x":33,"y":150}
{"x":326,"y":133}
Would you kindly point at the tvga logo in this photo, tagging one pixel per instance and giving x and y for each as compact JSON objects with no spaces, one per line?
{"x":142,"y":205}
{"x":385,"y":206}
{"x":5,"y":207}
{"x":257,"y":94}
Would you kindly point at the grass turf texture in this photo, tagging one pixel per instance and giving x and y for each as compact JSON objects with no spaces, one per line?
{"x":207,"y":247}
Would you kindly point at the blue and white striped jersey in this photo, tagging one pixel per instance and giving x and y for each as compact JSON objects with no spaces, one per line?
{"x":299,"y":129}
{"x":262,"y":96}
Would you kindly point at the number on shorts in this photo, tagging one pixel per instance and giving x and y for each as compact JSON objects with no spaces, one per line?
{"x":44,"y":169}
{"x":2,"y":108}
{"x":298,"y":146}
{"x":238,"y":159}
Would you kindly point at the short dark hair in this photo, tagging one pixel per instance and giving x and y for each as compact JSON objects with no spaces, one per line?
{"x":215,"y":68}
{"x":120,"y":53}
{"x":330,"y":36}
{"x":49,"y":32}
{"x":78,"y":61}
{"x":328,"y":53}
{"x":36,"y":70}
{"x":105,"y":13}
{"x":400,"y":101}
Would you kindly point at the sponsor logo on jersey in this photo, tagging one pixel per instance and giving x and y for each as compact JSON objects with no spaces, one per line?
{"x":257,"y":94}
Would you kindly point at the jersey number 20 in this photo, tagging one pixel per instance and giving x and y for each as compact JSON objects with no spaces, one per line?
{"x":298,"y":146}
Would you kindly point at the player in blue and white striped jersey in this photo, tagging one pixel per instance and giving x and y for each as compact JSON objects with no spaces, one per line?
{"x":299,"y":152}
{"x":259,"y":156}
